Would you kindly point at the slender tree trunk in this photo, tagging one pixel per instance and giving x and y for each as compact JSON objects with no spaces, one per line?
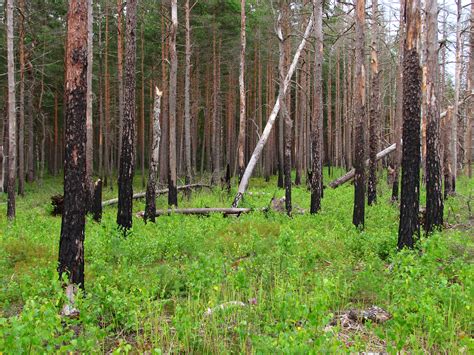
{"x":215,"y":149}
{"x":127,"y":154}
{"x":101,"y":99}
{"x":375,"y":110}
{"x":242,"y":120}
{"x":399,"y":109}
{"x":337,"y":139}
{"x":107,"y":148}
{"x":329,"y":156}
{"x":187,"y":98}
{"x":434,"y":199}
{"x":142,"y":107}
{"x":30,"y":176}
{"x":150,"y":209}
{"x":470,"y":107}
{"x":457,"y":89}
{"x":11,"y":114}
{"x":164,"y":149}
{"x":410,"y":194}
{"x":120,"y":76}
{"x":317,"y":117}
{"x":447,"y":158}
{"x":89,"y":125}
{"x":21,"y":116}
{"x":358,"y":217}
{"x":285,"y":117}
{"x":71,"y":243}
{"x":56,"y":135}
{"x":173,"y":192}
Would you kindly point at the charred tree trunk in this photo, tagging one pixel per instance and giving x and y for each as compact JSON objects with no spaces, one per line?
{"x":434,"y":199}
{"x":11,"y":114}
{"x":120,"y":77}
{"x":447,"y":137}
{"x":127,"y":154}
{"x":410,"y":195}
{"x":358,"y":217}
{"x":375,"y":111}
{"x":173,"y":192}
{"x":317,"y":114}
{"x":96,"y":208}
{"x":150,"y":209}
{"x":71,"y":243}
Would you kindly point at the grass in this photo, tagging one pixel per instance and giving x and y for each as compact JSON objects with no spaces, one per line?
{"x":151,"y":290}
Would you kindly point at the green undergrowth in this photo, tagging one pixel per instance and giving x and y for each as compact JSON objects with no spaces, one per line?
{"x":152,"y":290}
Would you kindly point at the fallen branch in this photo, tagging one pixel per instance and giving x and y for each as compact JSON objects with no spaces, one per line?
{"x":350,"y":175}
{"x":140,"y":195}
{"x":200,"y":211}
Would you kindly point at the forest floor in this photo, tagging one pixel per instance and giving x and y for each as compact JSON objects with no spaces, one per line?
{"x":279,"y":280}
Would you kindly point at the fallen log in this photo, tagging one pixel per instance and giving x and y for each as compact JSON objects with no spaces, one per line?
{"x":199,"y":211}
{"x":140,"y":195}
{"x":350,"y":174}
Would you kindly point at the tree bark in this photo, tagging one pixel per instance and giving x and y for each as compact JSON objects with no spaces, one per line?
{"x":434,"y":199}
{"x":457,"y":89}
{"x":317,"y":116}
{"x":187,"y":96}
{"x":375,"y":110}
{"x":142,"y":106}
{"x":271,"y":119}
{"x":127,"y":154}
{"x":173,"y":192}
{"x":120,"y":76}
{"x":150,"y":209}
{"x":11,"y":114}
{"x":358,"y":217}
{"x":470,"y":87}
{"x":89,"y":125}
{"x":410,"y":194}
{"x":242,"y":121}
{"x":71,"y":243}
{"x":21,"y":116}
{"x":447,"y":158}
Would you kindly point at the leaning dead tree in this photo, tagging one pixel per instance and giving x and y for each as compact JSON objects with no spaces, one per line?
{"x":150,"y":209}
{"x":271,"y":119}
{"x":351,"y":173}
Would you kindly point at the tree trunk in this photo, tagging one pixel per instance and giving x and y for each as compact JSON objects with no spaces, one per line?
{"x":96,"y":208}
{"x":410,"y":194}
{"x":89,"y":125}
{"x":30,"y":176}
{"x":358,"y":217}
{"x":150,"y":209}
{"x":127,"y":154}
{"x":317,"y":117}
{"x":11,"y":114}
{"x":120,"y":76}
{"x":457,"y":89}
{"x":375,"y":110}
{"x":173,"y":192}
{"x":398,"y":120}
{"x":21,"y":116}
{"x":434,"y":200}
{"x":285,"y":117}
{"x":71,"y":243}
{"x":271,"y":119}
{"x":187,"y":98}
{"x":107,"y":148}
{"x":470,"y":87}
{"x":242,"y":121}
{"x":215,"y":149}
{"x":447,"y":158}
{"x":142,"y":107}
{"x":329,"y":156}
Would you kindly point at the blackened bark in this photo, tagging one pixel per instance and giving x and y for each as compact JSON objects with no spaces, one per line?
{"x":71,"y":244}
{"x":317,"y":114}
{"x":434,"y":200}
{"x":97,"y":201}
{"x":358,"y":217}
{"x":374,"y":110}
{"x":172,"y":184}
{"x":410,"y":194}
{"x":127,"y":157}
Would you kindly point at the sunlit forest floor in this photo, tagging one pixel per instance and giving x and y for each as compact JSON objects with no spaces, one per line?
{"x":159,"y":289}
